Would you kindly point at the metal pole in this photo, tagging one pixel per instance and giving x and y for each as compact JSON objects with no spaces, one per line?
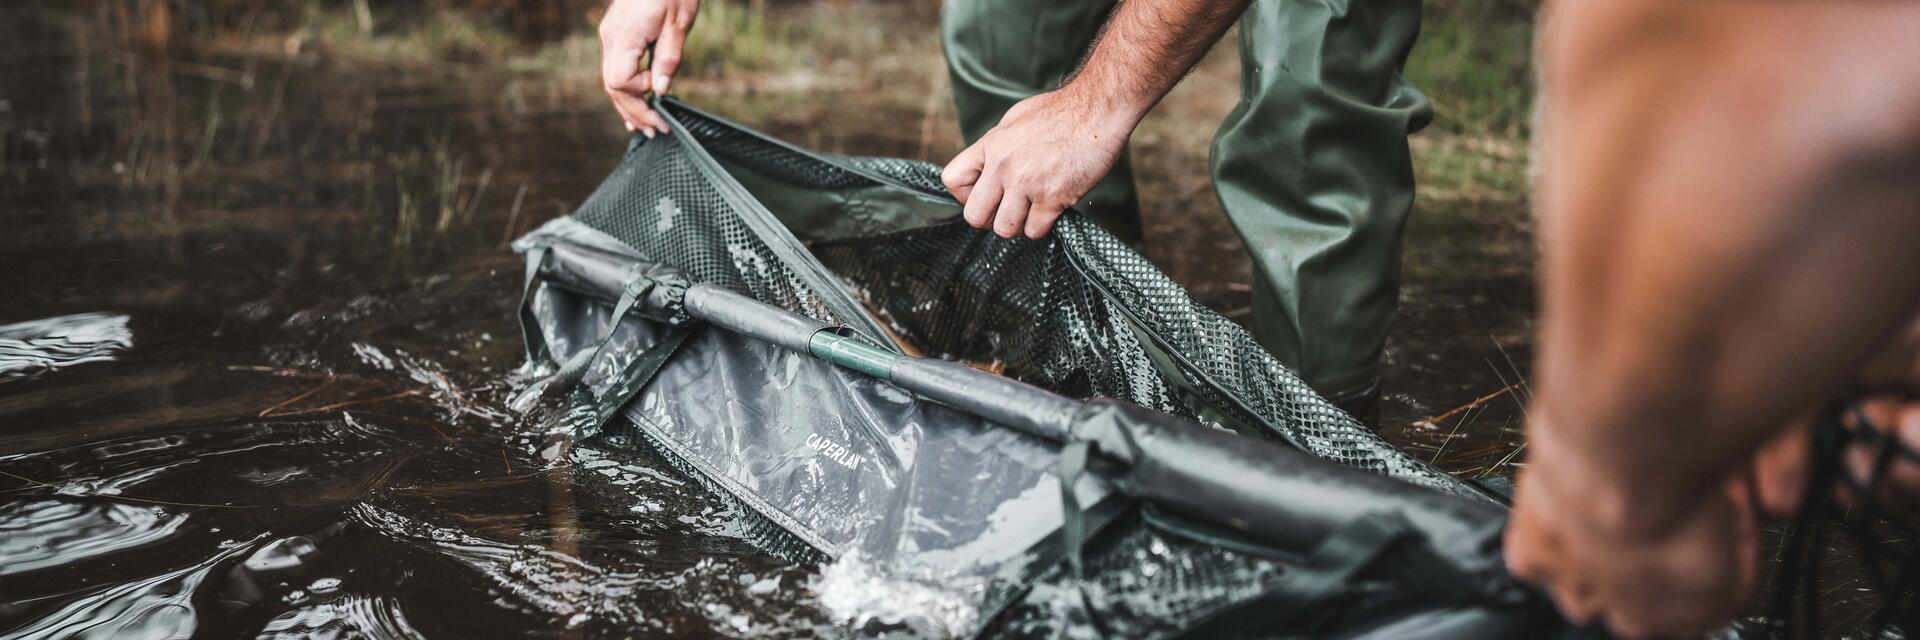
{"x":1016,"y":404}
{"x":1030,"y":409}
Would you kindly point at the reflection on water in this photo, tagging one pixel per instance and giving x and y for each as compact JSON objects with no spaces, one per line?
{"x":48,"y":533}
{"x":347,"y":616}
{"x":38,"y":346}
{"x":156,"y":606}
{"x":310,"y":437}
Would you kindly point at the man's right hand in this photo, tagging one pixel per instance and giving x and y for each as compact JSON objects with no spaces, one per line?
{"x":629,"y":31}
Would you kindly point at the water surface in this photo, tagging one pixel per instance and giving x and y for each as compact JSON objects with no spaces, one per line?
{"x":257,"y":326}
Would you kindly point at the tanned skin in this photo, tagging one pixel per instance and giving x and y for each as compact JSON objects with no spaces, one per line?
{"x":1729,"y":215}
{"x":1051,"y":149}
{"x":640,"y":46}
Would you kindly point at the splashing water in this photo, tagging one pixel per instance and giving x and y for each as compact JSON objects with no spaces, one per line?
{"x":859,"y":595}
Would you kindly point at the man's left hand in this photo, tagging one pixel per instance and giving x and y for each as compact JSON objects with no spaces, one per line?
{"x":1684,"y":580}
{"x":1047,"y":152}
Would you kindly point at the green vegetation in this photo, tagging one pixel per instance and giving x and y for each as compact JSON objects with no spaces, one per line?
{"x":362,"y":31}
{"x":732,"y":36}
{"x":1475,"y":60}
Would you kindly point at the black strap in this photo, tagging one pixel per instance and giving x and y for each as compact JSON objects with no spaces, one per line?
{"x":1047,"y":554}
{"x":1073,"y":465}
{"x":571,"y":373}
{"x":588,"y":413}
{"x":1212,"y":535}
{"x":539,"y":356}
{"x":1798,"y":577}
{"x":575,"y":369}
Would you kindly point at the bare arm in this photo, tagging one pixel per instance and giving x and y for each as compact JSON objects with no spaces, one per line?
{"x":1730,"y":227}
{"x":1147,"y":46}
{"x":1052,"y":148}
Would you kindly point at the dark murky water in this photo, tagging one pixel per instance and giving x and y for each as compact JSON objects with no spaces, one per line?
{"x":298,"y":427}
{"x":284,"y":412}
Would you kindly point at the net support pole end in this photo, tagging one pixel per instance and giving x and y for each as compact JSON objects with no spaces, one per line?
{"x":853,"y":353}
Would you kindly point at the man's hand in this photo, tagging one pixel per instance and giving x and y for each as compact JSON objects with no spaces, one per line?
{"x":1567,"y":533}
{"x":1682,"y":581}
{"x":1047,"y":152}
{"x":1050,"y":149}
{"x":629,"y":31}
{"x":1722,"y":248}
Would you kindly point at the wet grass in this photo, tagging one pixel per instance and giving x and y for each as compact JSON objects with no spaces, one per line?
{"x":732,"y":37}
{"x":1475,"y":59}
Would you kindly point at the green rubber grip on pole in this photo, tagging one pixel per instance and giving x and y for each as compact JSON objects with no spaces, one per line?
{"x":853,"y":353}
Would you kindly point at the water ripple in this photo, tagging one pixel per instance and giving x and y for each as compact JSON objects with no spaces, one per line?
{"x":51,"y":533}
{"x":35,"y":347}
{"x":160,"y":606}
{"x":349,"y":616}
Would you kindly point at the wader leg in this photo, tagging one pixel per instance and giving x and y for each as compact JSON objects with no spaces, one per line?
{"x":1314,"y":172}
{"x":1002,"y":51}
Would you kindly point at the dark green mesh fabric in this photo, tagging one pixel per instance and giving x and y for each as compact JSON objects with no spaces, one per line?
{"x":658,"y":202}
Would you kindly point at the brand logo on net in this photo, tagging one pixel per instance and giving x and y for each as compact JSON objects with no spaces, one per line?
{"x":834,"y":451}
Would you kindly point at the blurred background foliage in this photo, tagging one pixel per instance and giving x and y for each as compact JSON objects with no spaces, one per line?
{"x":1473,"y":56}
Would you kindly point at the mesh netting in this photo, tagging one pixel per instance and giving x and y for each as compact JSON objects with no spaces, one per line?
{"x":658,"y":202}
{"x":1067,"y":313}
{"x":1079,"y":313}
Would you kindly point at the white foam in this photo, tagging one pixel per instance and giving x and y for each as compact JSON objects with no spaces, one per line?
{"x":858,"y":594}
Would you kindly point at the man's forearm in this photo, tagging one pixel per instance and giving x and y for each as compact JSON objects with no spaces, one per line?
{"x":1146,"y":47}
{"x":1724,"y":238}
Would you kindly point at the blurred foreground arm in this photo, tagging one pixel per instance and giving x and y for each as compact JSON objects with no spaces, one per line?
{"x":1050,"y":149}
{"x":1730,"y":225}
{"x":630,"y":30}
